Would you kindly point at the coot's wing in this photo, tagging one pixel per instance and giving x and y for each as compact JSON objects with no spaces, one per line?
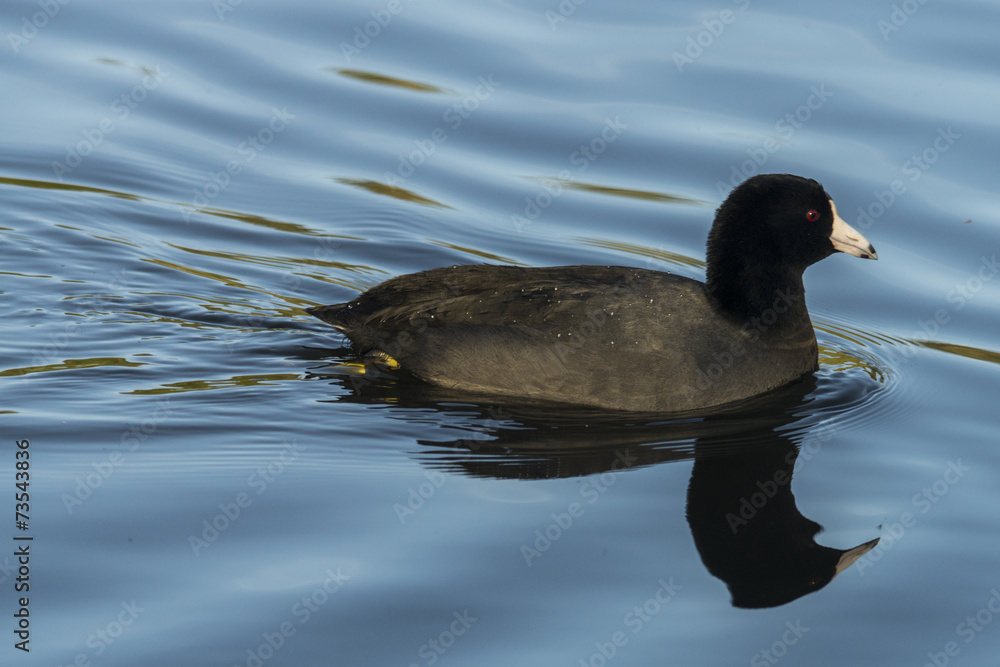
{"x":546,"y":299}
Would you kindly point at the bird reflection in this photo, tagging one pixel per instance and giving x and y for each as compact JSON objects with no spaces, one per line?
{"x":740,"y":507}
{"x":748,"y":530}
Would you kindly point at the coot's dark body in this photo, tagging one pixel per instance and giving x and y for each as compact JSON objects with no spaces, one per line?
{"x":618,"y":337}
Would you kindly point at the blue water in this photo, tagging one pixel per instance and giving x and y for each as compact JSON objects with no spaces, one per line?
{"x":208,"y":486}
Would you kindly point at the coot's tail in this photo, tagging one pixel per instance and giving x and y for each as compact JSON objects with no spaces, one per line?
{"x":337,"y":315}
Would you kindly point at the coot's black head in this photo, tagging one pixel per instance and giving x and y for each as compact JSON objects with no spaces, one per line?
{"x":769,"y":229}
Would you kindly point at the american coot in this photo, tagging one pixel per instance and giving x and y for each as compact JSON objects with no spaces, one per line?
{"x":618,"y":337}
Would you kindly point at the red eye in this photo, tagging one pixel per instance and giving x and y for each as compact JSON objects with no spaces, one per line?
{"x":812,"y":216}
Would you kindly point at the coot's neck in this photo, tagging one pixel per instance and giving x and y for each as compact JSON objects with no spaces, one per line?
{"x":768,"y":298}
